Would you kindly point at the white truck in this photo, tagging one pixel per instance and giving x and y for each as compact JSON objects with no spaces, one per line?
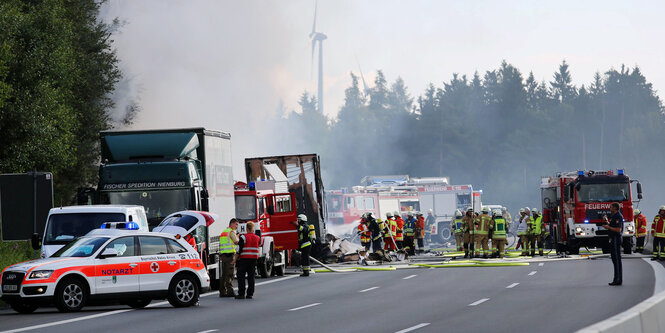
{"x":64,"y":224}
{"x":443,"y":200}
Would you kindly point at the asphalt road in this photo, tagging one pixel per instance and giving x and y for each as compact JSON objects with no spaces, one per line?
{"x":560,"y":296}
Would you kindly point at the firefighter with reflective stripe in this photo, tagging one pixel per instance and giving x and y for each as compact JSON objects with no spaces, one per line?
{"x":456,"y":226}
{"x":305,"y":240}
{"x":409,"y":233}
{"x":522,"y":230}
{"x":498,"y":227}
{"x":468,"y":228}
{"x":537,"y":232}
{"x":399,"y":235}
{"x":658,"y":233}
{"x":248,"y":254}
{"x":227,"y":250}
{"x":365,"y":234}
{"x":389,"y":231}
{"x":375,"y":229}
{"x":420,"y":232}
{"x":482,"y":224}
{"x":640,"y":230}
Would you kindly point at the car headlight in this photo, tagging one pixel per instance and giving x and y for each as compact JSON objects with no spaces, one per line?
{"x":40,"y":274}
{"x":578,"y":229}
{"x":629,"y":228}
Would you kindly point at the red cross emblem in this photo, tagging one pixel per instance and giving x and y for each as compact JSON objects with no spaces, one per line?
{"x":154,"y":267}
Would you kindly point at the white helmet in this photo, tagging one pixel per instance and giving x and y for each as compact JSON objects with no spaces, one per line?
{"x":497,"y":212}
{"x":470,"y":209}
{"x":661,"y":208}
{"x":389,"y":214}
{"x":430,"y":211}
{"x":636,"y":212}
{"x":458,"y":213}
{"x":534,"y":211}
{"x":486,"y":210}
{"x":521,"y":210}
{"x":302,"y":217}
{"x":527,"y":210}
{"x":396,"y":213}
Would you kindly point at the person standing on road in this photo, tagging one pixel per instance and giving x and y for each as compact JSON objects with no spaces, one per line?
{"x":468,"y":228}
{"x":614,"y":225}
{"x":248,"y":254}
{"x":537,"y":233}
{"x":529,"y":226}
{"x":305,"y":241}
{"x":227,"y":250}
{"x":365,"y":234}
{"x":389,"y":231}
{"x":420,"y":232}
{"x":456,"y":227}
{"x":640,"y":230}
{"x":399,"y":235}
{"x":521,"y":232}
{"x":409,"y":233}
{"x":658,"y":233}
{"x":375,"y":230}
{"x":482,"y":232}
{"x":429,"y":222}
{"x":498,"y":227}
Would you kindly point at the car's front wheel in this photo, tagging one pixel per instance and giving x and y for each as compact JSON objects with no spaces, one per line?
{"x":183,"y":291}
{"x":70,"y":295}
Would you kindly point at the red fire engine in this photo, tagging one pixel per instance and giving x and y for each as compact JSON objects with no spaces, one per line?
{"x":574,"y":202}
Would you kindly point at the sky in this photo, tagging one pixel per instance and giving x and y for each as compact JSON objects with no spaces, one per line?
{"x":229,"y":65}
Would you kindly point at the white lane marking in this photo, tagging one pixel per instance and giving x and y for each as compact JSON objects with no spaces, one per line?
{"x":479,"y":301}
{"x":368,"y":289}
{"x":541,"y":264}
{"x":410,"y":276}
{"x":659,"y":271}
{"x":61,"y":322}
{"x":304,"y":307}
{"x":533,"y":272}
{"x":208,"y":331}
{"x":513,"y":285}
{"x":413,"y":328}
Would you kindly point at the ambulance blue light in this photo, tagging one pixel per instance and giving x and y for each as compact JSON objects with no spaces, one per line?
{"x":620,"y":171}
{"x":131,"y":226}
{"x":580,"y":173}
{"x":120,"y":225}
{"x":586,"y":221}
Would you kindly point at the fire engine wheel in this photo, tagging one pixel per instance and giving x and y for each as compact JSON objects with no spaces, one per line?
{"x":183,"y":291}
{"x":266,"y":266}
{"x":627,"y":247}
{"x":70,"y":295}
{"x":279,"y":270}
{"x":573,"y":246}
{"x":21,"y":307}
{"x":445,"y":234}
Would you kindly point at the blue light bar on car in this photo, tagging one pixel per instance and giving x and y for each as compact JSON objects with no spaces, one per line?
{"x":620,"y":171}
{"x":120,"y":225}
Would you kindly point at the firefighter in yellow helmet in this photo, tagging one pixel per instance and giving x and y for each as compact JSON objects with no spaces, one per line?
{"x":468,"y":228}
{"x":456,"y":227}
{"x":498,"y":228}
{"x":482,"y":225}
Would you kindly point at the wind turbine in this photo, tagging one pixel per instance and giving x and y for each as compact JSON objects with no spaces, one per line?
{"x":318,"y":37}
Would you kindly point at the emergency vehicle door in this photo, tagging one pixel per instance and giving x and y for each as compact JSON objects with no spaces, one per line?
{"x":156,"y":265}
{"x":121,"y":273}
{"x":281,"y":225}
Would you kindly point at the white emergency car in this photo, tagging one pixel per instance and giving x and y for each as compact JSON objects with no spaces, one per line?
{"x":114,"y":263}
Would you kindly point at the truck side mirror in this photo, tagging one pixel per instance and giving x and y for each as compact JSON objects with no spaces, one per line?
{"x":639,"y":191}
{"x":35,"y":240}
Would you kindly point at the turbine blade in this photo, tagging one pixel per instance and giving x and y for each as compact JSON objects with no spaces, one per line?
{"x":316,"y":4}
{"x":311,"y":64}
{"x":362,"y":77}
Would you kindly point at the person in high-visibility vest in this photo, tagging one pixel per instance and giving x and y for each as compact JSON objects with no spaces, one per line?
{"x":365,"y":234}
{"x":409,"y":233}
{"x":248,"y":255}
{"x":522,"y":229}
{"x":389,"y":230}
{"x":420,"y":232}
{"x":456,"y":226}
{"x":482,"y":224}
{"x":498,"y":227}
{"x":468,"y":228}
{"x":658,"y":233}
{"x":529,"y":225}
{"x":227,"y":250}
{"x":640,"y":230}
{"x":305,"y":240}
{"x":537,"y":232}
{"x":399,"y":235}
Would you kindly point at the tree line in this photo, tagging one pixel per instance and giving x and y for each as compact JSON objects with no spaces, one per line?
{"x":499,"y":131}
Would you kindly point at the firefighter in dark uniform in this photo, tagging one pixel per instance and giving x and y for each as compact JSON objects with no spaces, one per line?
{"x":375,"y":229}
{"x":248,"y":254}
{"x":614,"y":225}
{"x":305,"y":240}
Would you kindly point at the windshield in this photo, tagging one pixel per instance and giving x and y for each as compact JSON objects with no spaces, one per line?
{"x":603,"y":192}
{"x":463,"y":200}
{"x":184,"y":221}
{"x":246,"y":207}
{"x":63,"y":228}
{"x":82,"y":247}
{"x":157,"y":203}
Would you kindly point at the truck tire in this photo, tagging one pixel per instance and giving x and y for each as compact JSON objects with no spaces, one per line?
{"x":70,"y":295}
{"x":444,"y":233}
{"x":265,"y":266}
{"x":573,"y":245}
{"x":627,"y":245}
{"x":183,"y":291}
